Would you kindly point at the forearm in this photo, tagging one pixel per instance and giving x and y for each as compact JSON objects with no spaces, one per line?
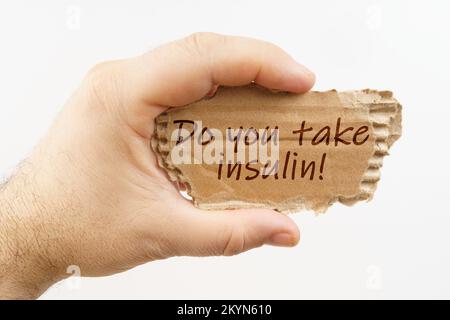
{"x":25,"y":272}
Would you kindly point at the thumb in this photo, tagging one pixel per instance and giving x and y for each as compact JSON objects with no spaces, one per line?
{"x":231,"y":232}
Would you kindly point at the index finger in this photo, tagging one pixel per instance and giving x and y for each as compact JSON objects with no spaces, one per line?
{"x":185,"y":70}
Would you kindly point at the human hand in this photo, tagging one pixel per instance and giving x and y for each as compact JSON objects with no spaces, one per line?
{"x":91,"y":194}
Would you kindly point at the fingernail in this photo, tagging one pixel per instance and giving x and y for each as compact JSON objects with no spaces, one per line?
{"x":283,"y":239}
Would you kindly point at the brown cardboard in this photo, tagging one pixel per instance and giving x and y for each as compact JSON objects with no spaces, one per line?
{"x":346,"y":169}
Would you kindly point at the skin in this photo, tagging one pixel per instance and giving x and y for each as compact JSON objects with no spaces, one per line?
{"x":91,"y":193}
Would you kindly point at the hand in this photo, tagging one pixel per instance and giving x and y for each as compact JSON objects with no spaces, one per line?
{"x":91,"y":194}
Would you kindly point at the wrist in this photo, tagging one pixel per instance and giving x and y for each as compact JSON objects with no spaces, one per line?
{"x":26,"y":268}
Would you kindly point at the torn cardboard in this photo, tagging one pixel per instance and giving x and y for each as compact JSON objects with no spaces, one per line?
{"x":331,"y":147}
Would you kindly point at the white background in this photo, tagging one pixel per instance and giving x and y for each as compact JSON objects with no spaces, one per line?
{"x":395,"y":246}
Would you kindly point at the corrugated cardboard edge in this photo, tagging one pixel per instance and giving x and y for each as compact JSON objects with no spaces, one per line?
{"x":384,"y":114}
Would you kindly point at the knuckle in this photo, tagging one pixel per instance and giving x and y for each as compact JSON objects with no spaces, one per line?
{"x":102,"y":82}
{"x":202,"y":41}
{"x":104,"y":73}
{"x":101,"y":70}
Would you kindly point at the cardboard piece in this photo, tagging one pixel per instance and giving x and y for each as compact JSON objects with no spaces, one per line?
{"x":330,"y":147}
